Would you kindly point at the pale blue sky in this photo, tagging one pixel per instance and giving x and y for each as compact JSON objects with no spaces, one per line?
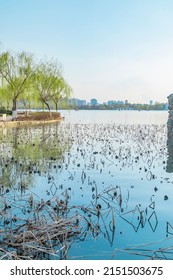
{"x":109,"y":49}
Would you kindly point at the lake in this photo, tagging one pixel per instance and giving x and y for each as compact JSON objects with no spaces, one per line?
{"x":118,"y":117}
{"x":110,"y":171}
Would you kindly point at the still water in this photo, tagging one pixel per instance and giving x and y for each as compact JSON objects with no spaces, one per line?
{"x":113,"y":169}
{"x":118,"y":117}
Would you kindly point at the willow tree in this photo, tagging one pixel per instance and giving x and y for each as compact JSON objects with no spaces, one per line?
{"x":46,"y":77}
{"x":4,"y":97}
{"x":17,"y":71}
{"x":61,"y":92}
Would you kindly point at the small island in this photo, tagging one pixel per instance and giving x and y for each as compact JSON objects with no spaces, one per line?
{"x":31,"y":118}
{"x":27,"y":84}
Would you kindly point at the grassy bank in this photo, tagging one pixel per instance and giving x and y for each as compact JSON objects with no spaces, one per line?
{"x":32,"y":119}
{"x":38,"y":116}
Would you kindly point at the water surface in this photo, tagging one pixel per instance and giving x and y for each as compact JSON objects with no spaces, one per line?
{"x":114,"y":170}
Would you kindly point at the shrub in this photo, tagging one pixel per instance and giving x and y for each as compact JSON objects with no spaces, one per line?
{"x":4,"y":111}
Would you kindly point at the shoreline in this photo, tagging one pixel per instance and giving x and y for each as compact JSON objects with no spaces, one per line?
{"x":23,"y":123}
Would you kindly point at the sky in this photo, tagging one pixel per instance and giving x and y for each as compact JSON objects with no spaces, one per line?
{"x":109,"y":49}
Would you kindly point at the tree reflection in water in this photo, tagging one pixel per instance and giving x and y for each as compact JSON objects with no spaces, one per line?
{"x":92,"y":175}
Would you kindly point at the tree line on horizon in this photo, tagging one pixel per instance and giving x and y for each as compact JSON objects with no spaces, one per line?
{"x":25,"y":80}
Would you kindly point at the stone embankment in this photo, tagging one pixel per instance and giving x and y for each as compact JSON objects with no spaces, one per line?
{"x":169,"y":168}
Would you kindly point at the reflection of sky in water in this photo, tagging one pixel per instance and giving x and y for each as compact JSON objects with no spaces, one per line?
{"x":119,"y":168}
{"x":114,"y":116}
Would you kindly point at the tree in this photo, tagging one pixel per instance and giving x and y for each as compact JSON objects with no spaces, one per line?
{"x":46,"y":81}
{"x":17,"y":71}
{"x":26,"y":99}
{"x":4,"y":96}
{"x":62,"y":91}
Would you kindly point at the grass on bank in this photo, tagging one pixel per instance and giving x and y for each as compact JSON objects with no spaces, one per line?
{"x":38,"y":116}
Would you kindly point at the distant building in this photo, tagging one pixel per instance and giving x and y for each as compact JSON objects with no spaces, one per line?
{"x":76,"y":102}
{"x":119,"y":102}
{"x":151,"y":102}
{"x":94,"y":102}
{"x":80,"y":102}
{"x":111,"y":102}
